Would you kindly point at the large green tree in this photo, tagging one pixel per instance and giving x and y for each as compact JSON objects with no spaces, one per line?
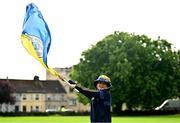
{"x":144,"y":72}
{"x":6,"y":91}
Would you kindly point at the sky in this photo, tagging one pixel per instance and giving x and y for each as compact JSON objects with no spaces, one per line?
{"x":76,"y":25}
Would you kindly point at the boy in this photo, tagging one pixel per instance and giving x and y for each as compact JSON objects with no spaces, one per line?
{"x":100,"y":99}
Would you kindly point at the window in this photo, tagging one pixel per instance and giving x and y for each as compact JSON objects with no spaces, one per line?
{"x":166,"y":104}
{"x":18,"y":97}
{"x":16,"y":108}
{"x":32,"y":97}
{"x":48,"y":98}
{"x":31,"y":108}
{"x":37,"y":97}
{"x":62,"y":97}
{"x":24,"y":109}
{"x":24,"y":97}
{"x":37,"y":108}
{"x":72,"y":102}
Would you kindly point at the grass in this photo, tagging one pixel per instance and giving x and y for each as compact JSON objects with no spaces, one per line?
{"x":85,"y":119}
{"x":148,"y":119}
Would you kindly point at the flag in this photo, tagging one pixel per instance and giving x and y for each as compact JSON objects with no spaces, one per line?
{"x":36,"y":36}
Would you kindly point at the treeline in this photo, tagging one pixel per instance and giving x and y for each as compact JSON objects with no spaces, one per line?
{"x":144,"y":71}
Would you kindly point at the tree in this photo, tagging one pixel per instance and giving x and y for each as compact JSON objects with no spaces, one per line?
{"x":144,"y":72}
{"x":6,"y":90}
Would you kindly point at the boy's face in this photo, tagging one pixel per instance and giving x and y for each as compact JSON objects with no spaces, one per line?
{"x":101,"y":86}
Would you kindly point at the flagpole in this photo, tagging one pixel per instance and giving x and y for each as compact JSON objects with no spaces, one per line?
{"x":65,"y":80}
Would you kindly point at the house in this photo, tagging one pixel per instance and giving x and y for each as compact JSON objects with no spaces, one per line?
{"x":36,"y":95}
{"x":44,"y":95}
{"x":72,"y":98}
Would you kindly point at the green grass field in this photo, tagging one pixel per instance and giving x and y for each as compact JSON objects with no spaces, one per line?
{"x":85,"y":119}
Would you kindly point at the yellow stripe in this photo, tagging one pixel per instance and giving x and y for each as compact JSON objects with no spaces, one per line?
{"x":26,"y":41}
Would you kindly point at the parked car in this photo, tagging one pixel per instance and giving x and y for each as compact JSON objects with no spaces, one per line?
{"x":66,"y":110}
{"x":169,"y":104}
{"x":51,"y":110}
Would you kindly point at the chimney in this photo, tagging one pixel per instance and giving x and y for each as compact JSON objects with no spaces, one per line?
{"x":37,"y":81}
{"x":36,"y":78}
{"x":7,"y":79}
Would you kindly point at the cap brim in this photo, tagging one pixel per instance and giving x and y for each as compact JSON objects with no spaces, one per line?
{"x":107,"y":83}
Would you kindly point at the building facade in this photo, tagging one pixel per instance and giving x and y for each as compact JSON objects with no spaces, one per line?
{"x":72,"y":99}
{"x":36,"y":96}
{"x":44,"y":95}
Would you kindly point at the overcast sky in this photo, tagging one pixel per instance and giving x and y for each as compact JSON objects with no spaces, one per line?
{"x":75,"y":25}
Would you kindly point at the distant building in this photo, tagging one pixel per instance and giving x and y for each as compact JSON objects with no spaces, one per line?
{"x":44,"y":95}
{"x":72,"y":99}
{"x":36,"y":95}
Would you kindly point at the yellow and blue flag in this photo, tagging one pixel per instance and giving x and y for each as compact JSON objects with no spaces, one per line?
{"x":36,"y":36}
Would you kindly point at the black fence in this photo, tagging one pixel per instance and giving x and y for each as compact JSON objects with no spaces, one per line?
{"x":144,"y":113}
{"x":121,"y":113}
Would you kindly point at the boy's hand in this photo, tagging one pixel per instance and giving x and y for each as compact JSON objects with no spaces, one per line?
{"x":72,"y":86}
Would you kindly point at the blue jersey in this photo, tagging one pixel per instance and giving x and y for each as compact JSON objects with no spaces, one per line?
{"x":100,"y":104}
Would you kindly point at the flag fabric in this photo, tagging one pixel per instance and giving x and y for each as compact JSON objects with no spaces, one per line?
{"x":36,"y":37}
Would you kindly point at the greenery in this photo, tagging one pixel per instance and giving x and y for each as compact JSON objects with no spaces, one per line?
{"x":6,"y":90}
{"x":144,"y":72}
{"x":85,"y":119}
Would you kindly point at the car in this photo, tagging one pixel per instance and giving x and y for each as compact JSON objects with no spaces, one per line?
{"x":66,"y":110}
{"x":51,"y":110}
{"x":169,"y":104}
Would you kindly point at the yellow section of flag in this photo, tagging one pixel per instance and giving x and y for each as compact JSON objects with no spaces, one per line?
{"x":27,"y":43}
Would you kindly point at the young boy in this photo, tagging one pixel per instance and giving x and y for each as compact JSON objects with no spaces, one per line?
{"x":100,"y":99}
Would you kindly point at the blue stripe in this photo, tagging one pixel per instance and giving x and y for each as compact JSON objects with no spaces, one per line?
{"x":35,"y":25}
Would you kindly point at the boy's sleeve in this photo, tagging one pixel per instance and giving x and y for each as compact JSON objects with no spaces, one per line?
{"x":88,"y":93}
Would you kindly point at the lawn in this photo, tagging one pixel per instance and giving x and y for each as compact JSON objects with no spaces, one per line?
{"x":85,"y":119}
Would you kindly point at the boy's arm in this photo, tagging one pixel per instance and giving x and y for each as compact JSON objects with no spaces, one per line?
{"x":88,"y":93}
{"x":85,"y":92}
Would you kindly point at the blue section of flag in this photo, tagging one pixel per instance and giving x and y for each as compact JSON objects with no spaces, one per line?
{"x":35,"y":26}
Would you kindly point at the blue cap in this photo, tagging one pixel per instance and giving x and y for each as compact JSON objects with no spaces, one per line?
{"x":103,"y":78}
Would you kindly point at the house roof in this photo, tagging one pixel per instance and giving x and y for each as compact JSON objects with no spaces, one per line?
{"x":36,"y":86}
